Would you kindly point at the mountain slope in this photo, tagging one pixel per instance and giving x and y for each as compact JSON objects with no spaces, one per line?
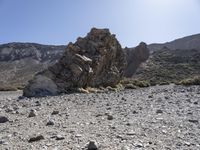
{"x":170,"y":66}
{"x":189,"y":42}
{"x":20,"y":61}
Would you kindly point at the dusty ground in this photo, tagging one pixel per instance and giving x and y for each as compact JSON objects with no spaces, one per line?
{"x":155,"y":118}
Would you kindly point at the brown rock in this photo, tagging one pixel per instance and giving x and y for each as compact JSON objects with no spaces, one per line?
{"x":96,"y":60}
{"x":135,"y":56}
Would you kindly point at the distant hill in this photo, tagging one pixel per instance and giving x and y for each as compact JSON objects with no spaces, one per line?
{"x":20,"y":61}
{"x":169,"y":66}
{"x":189,"y":42}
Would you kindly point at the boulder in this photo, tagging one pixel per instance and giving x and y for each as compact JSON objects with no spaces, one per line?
{"x":135,"y":56}
{"x":96,"y":60}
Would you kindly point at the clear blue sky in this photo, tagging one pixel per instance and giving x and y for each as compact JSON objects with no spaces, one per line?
{"x":61,"y":21}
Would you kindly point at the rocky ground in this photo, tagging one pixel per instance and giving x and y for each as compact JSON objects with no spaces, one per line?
{"x":155,"y":118}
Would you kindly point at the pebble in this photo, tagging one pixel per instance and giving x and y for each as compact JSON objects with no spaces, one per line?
{"x":92,"y":146}
{"x":110,"y":117}
{"x":50,"y":122}
{"x":125,"y":148}
{"x":59,"y":137}
{"x":138,"y":145}
{"x":36,"y":138}
{"x":159,"y":111}
{"x":78,"y":135}
{"x":38,"y":103}
{"x":193,"y":121}
{"x":55,"y":112}
{"x":3,"y":119}
{"x":32,"y":113}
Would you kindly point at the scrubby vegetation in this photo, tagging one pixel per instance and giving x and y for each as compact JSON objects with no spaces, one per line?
{"x":191,"y":81}
{"x":170,"y":66}
{"x":132,"y":83}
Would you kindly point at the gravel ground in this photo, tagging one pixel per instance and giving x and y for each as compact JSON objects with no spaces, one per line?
{"x":154,"y":118}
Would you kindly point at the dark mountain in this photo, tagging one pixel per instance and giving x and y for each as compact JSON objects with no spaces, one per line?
{"x":189,"y":42}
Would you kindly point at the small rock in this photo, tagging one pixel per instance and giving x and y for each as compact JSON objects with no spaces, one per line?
{"x":55,"y":112}
{"x":32,"y":113}
{"x":150,"y":96}
{"x":196,"y":103}
{"x":159,"y":111}
{"x":131,"y":133}
{"x":36,"y":138}
{"x":193,"y":121}
{"x":78,"y":135}
{"x":123,"y":99}
{"x":135,"y":112}
{"x":59,"y":137}
{"x":138,"y":145}
{"x":2,"y":141}
{"x":38,"y":103}
{"x":50,"y":122}
{"x":21,"y":97}
{"x":166,"y":97}
{"x":187,"y":143}
{"x":125,"y":148}
{"x":92,"y":146}
{"x":110,"y":117}
{"x":3,"y":119}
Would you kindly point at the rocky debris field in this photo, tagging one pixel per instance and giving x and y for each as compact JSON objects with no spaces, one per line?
{"x":155,"y":118}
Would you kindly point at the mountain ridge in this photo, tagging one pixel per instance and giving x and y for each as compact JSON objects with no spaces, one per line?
{"x":188,"y":42}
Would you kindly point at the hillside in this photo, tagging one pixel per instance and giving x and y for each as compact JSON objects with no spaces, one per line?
{"x":170,"y":66}
{"x":20,"y":61}
{"x":189,"y":42}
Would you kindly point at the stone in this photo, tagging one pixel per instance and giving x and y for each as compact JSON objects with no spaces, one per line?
{"x":38,"y":103}
{"x":125,"y":148}
{"x":32,"y":113}
{"x":135,"y":56}
{"x":55,"y":112}
{"x":59,"y":137}
{"x":50,"y":122}
{"x":193,"y":121}
{"x":36,"y":138}
{"x":110,"y":117}
{"x":40,"y":86}
{"x":159,"y":111}
{"x":3,"y":119}
{"x":96,"y":60}
{"x":92,"y":146}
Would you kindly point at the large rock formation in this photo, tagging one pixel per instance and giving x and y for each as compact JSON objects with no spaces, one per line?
{"x":135,"y":56}
{"x":96,"y":60}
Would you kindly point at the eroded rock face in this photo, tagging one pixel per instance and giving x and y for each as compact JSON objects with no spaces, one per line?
{"x":135,"y":56}
{"x":96,"y":60}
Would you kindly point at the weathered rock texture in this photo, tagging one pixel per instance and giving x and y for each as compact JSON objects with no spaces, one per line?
{"x":96,"y":60}
{"x":135,"y":56}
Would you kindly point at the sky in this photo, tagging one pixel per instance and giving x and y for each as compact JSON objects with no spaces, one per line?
{"x":59,"y":22}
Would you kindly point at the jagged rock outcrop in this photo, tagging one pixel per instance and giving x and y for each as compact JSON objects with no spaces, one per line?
{"x":96,"y":60}
{"x":135,"y":56}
